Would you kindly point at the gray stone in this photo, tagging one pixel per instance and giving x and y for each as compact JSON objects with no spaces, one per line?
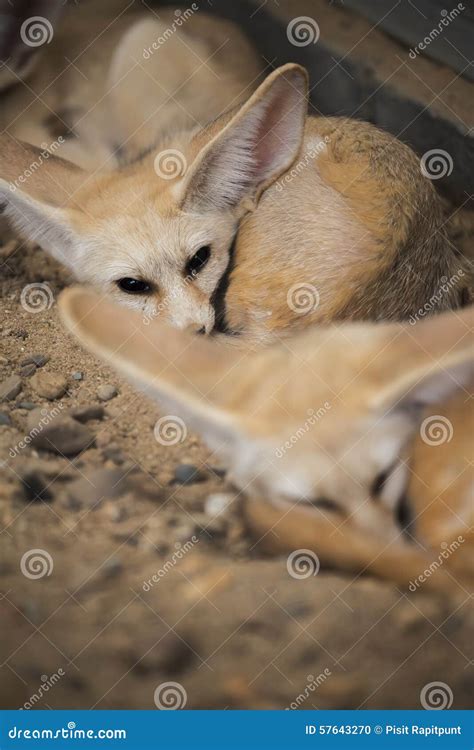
{"x":188,"y":474}
{"x":39,"y":360}
{"x":106,"y":392}
{"x":10,"y":388}
{"x":49,"y":385}
{"x":77,"y":375}
{"x":64,"y":436}
{"x":35,"y":486}
{"x":4,"y":419}
{"x":97,"y":485}
{"x":27,"y":371}
{"x":28,"y":405}
{"x":88,"y":412}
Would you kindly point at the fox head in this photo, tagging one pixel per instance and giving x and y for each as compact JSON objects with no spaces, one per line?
{"x":323,"y":420}
{"x":157,"y":234}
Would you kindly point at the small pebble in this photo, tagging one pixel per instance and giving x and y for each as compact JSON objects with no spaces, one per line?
{"x":27,"y":371}
{"x":106,"y":392}
{"x":188,"y":474}
{"x":10,"y":388}
{"x":4,"y":418}
{"x":49,"y":385}
{"x":77,"y":375}
{"x":28,"y":405}
{"x":88,"y":412}
{"x":39,"y":360}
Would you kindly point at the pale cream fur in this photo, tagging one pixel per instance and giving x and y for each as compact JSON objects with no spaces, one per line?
{"x":331,"y":206}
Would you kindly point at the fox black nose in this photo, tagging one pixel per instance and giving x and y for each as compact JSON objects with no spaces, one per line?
{"x":201,"y":331}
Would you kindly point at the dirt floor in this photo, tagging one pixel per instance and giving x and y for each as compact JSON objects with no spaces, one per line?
{"x":83,"y":622}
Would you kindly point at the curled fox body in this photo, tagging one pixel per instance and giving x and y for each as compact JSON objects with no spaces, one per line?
{"x":261,"y":222}
{"x":362,"y":482}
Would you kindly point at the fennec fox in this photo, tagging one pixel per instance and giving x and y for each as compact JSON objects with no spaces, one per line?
{"x":262,"y":222}
{"x":333,"y":435}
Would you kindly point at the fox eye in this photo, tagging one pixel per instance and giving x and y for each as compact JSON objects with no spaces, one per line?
{"x":198,"y":261}
{"x":324,"y":503}
{"x":133,"y":286}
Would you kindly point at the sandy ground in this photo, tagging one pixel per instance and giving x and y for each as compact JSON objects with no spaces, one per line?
{"x":81,"y":628}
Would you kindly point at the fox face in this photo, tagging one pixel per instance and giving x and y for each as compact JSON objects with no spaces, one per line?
{"x":321,"y":426}
{"x":158,"y":233}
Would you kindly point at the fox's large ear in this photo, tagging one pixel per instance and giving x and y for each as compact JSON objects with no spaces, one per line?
{"x":35,"y":187}
{"x":431,"y":360}
{"x":192,"y":377}
{"x":254,"y":147}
